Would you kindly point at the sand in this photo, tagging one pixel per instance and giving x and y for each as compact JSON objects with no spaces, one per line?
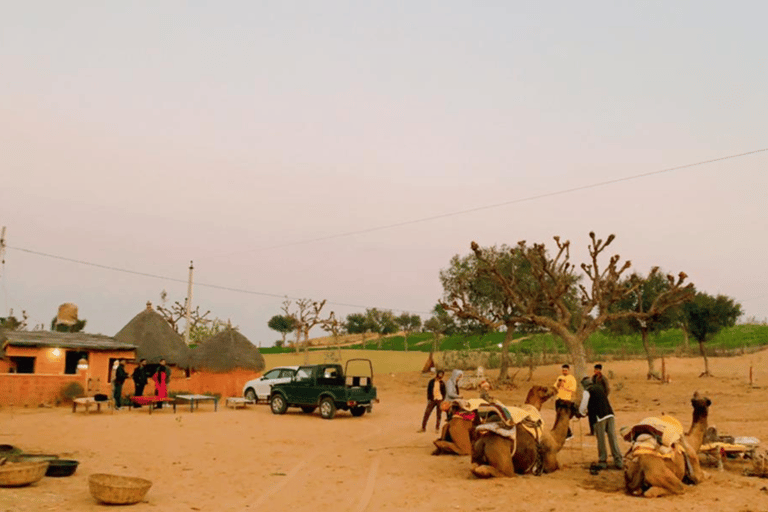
{"x":250,"y":459}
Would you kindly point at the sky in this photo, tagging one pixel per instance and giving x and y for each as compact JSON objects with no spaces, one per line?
{"x":347,"y":150}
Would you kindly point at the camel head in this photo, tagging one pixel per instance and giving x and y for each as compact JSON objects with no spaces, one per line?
{"x":700,"y":405}
{"x":571,"y":408}
{"x":540,"y":394}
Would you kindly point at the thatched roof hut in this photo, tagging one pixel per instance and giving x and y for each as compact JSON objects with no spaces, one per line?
{"x":225,"y":352}
{"x":155,"y":338}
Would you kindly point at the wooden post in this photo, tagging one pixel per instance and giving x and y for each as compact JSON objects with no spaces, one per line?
{"x":663,"y":371}
{"x":750,"y":375}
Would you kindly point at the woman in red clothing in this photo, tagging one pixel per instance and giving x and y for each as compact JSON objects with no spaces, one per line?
{"x":161,"y":378}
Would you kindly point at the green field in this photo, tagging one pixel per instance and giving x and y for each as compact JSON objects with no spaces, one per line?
{"x":729,"y":341}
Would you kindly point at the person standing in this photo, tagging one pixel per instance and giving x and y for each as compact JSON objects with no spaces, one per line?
{"x":120,"y":377}
{"x":435,"y":395}
{"x":140,"y":378}
{"x":566,"y":386}
{"x":595,"y":402}
{"x":161,"y":378}
{"x":599,"y":379}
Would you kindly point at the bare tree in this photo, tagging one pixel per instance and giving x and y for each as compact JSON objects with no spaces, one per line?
{"x":576,"y":310}
{"x":334,"y":326}
{"x":307,"y":316}
{"x":178,"y":311}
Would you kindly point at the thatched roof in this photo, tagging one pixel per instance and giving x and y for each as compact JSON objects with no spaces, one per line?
{"x":225,"y":352}
{"x":154,"y":338}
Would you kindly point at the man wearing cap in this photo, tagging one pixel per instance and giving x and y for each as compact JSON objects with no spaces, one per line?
{"x":594,"y":401}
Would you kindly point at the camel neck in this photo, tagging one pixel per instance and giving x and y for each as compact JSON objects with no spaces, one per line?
{"x":695,"y":435}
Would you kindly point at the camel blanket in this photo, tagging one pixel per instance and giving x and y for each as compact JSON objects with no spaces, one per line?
{"x":527,"y":416}
{"x":499,"y":428}
{"x":666,"y":430}
{"x":647,"y":444}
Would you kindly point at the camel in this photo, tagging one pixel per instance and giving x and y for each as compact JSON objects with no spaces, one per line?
{"x":650,"y":475}
{"x":495,"y":455}
{"x":458,"y":435}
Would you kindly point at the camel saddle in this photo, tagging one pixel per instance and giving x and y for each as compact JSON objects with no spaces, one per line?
{"x":527,"y":416}
{"x":666,"y":430}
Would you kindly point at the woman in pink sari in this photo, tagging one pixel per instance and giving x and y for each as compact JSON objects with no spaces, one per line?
{"x":161,"y":378}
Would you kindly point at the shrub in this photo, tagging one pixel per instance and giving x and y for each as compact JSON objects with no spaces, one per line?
{"x":71,"y":390}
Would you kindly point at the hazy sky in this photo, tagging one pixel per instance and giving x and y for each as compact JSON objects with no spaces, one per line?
{"x":246,"y":135}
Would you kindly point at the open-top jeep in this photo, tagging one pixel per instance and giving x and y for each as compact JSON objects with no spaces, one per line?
{"x":329,"y":387}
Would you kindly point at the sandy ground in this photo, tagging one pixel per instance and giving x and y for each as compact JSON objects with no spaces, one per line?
{"x":234,"y":460}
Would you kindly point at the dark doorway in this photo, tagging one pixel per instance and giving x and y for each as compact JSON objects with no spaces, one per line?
{"x":72,"y":358}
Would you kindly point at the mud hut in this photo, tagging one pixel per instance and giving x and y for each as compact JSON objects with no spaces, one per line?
{"x":224,"y":363}
{"x":155,"y":339}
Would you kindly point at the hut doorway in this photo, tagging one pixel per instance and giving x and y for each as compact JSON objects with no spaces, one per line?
{"x":71,"y":359}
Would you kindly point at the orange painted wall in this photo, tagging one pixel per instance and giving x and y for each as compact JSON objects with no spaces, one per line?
{"x":44,"y":386}
{"x":224,"y":384}
{"x":24,"y":389}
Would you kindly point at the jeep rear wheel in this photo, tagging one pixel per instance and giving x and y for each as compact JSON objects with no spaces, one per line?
{"x":357,"y":411}
{"x":278,"y":404}
{"x":327,"y":408}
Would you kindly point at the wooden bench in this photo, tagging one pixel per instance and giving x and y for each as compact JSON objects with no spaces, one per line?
{"x":237,"y":402}
{"x":88,"y":401}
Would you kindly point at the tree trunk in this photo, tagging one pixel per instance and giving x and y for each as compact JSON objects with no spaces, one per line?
{"x":504,"y":368}
{"x":686,"y":341}
{"x":434,"y":343}
{"x":652,"y":373}
{"x":298,"y":340}
{"x":706,"y":362}
{"x":578,"y":355}
{"x":405,"y":341}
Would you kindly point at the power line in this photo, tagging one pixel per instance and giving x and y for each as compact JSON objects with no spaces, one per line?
{"x":206,"y":285}
{"x":389,"y":226}
{"x":498,"y":205}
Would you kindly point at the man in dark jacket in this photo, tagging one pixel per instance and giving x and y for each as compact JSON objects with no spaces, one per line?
{"x":595,"y":402}
{"x":435,"y":396}
{"x":120,"y":377}
{"x":600,"y":379}
{"x":140,"y":377}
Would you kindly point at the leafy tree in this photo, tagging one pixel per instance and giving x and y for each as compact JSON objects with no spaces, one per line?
{"x":76,"y":327}
{"x":439,"y":324}
{"x":559,"y":302}
{"x":380,"y":322}
{"x":473,"y":293}
{"x":283,"y":324}
{"x":11,"y":323}
{"x":408,"y":323}
{"x":706,"y":315}
{"x":358,"y":323}
{"x":641,"y":301}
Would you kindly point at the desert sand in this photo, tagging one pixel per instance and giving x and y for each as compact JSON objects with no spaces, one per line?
{"x":250,"y":459}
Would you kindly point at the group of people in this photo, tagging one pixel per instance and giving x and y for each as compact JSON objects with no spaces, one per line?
{"x":161,"y":376}
{"x":594,"y":405}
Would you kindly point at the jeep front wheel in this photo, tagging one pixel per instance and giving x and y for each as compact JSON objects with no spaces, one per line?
{"x":278,"y":404}
{"x":327,"y":408}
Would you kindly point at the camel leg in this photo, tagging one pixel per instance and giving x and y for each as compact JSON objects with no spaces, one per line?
{"x":497,"y":453}
{"x":663,"y":482}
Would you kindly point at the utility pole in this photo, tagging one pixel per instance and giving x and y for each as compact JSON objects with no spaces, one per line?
{"x":2,"y":247}
{"x":188,"y":306}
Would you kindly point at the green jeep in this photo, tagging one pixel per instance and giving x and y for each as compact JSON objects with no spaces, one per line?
{"x":329,"y":387}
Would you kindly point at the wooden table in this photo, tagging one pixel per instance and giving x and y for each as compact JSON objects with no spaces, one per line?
{"x":237,"y":402}
{"x":196,"y":399}
{"x":151,"y":401}
{"x":88,"y":401}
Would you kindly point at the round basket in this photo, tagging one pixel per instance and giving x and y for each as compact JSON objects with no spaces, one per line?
{"x":118,"y":490}
{"x":16,"y":474}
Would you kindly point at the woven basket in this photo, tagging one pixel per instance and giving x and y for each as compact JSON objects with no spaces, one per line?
{"x":118,"y":490}
{"x":15,"y":474}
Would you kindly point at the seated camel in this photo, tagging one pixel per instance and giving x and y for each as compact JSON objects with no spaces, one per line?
{"x":662,"y":458}
{"x":521,"y":449}
{"x":458,"y":434}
